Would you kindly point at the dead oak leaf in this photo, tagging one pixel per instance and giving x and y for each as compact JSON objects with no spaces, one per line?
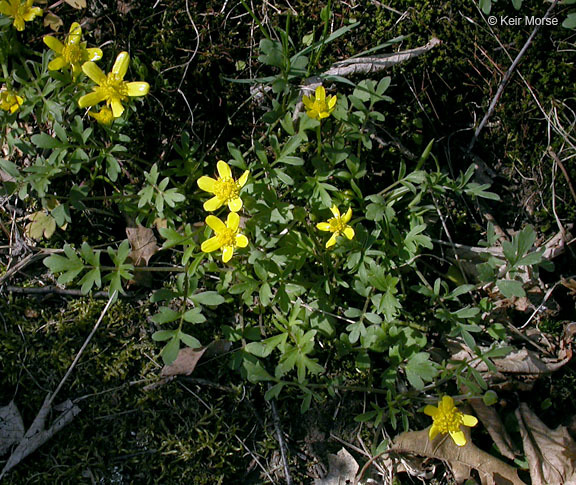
{"x":143,"y":243}
{"x":551,"y":453}
{"x":184,"y":364}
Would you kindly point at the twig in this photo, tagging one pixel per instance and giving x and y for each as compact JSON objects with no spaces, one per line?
{"x":281,"y":441}
{"x":506,"y":78}
{"x":556,"y":158}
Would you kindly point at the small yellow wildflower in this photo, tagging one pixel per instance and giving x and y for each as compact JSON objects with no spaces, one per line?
{"x":318,"y":106}
{"x":447,"y":419}
{"x":226,"y":190}
{"x":112,"y":88}
{"x":10,"y":101}
{"x":338,"y":225}
{"x":72,"y":52}
{"x":104,"y":116}
{"x":20,"y":12}
{"x":226,"y":236}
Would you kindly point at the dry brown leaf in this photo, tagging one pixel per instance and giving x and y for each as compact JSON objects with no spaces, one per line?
{"x":342,"y":468}
{"x":461,"y":459}
{"x":11,"y":427}
{"x":53,"y":21}
{"x":184,"y":364}
{"x":493,"y":424}
{"x":551,"y":453}
{"x":143,"y":243}
{"x":79,"y":4}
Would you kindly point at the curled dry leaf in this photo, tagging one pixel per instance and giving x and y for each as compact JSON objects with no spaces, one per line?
{"x":11,"y":427}
{"x":342,"y":468}
{"x":461,"y":459}
{"x":184,"y":364}
{"x":551,"y":453}
{"x":143,"y":244}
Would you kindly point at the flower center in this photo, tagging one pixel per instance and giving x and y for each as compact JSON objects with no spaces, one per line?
{"x":114,"y":87}
{"x":73,"y":54}
{"x":336,"y":225}
{"x":448,"y":421}
{"x":227,"y":189}
{"x":227,"y":237}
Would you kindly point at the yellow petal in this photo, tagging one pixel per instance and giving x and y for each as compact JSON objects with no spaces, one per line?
{"x":91,"y":99}
{"x":335,"y":211}
{"x":348,"y":232}
{"x":120,"y":66}
{"x":235,"y":204}
{"x":447,"y":404}
{"x":227,"y":253}
{"x":313,"y":114}
{"x":468,"y":420}
{"x":332,"y":240}
{"x":94,"y":72}
{"x":308,"y":102}
{"x":323,"y":114}
{"x":31,"y":13}
{"x":5,"y":8}
{"x":57,"y":63}
{"x":430,"y":410}
{"x":138,"y":88}
{"x":213,"y":204}
{"x":117,"y":108}
{"x":208,"y":184}
{"x":332,"y":102}
{"x":53,"y":43}
{"x":94,"y":54}
{"x":19,"y":24}
{"x":434,"y":430}
{"x":75,"y":34}
{"x":233,"y":221}
{"x":323,"y":226}
{"x":241,"y":240}
{"x":458,"y":437}
{"x":212,"y":244}
{"x":346,"y":217}
{"x":215,"y":224}
{"x":223,"y":169}
{"x":320,"y":93}
{"x":243,"y":178}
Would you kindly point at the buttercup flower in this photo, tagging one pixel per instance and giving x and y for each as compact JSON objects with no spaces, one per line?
{"x":111,"y":87}
{"x":338,"y":225}
{"x":72,"y":52}
{"x":226,"y":236}
{"x":104,"y":116}
{"x":226,"y":190}
{"x":10,"y":101}
{"x":319,"y":106}
{"x":20,"y":12}
{"x":447,"y":419}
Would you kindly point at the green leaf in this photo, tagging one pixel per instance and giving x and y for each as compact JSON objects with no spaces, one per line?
{"x":490,"y":398}
{"x":256,"y":373}
{"x":90,"y":279}
{"x":165,"y":315}
{"x":570,"y":21}
{"x":419,"y":368}
{"x":188,"y":340}
{"x":170,"y":350}
{"x":207,"y":298}
{"x":43,"y":140}
{"x":510,"y":288}
{"x":162,"y":335}
{"x":274,"y":391}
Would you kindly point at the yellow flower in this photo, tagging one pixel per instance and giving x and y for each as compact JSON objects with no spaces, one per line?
{"x":10,"y":101}
{"x":319,"y":106}
{"x":21,"y":12}
{"x":338,"y":225}
{"x":227,"y":236}
{"x":73,"y":52}
{"x":104,"y":116}
{"x":112,"y":88}
{"x":447,"y":419}
{"x":226,"y":190}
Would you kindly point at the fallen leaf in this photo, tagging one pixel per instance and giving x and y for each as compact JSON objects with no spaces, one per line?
{"x":143,"y":243}
{"x":461,"y":459}
{"x":78,"y":4}
{"x":184,"y":364}
{"x":551,"y":453}
{"x":493,"y":424}
{"x":342,"y":468}
{"x":53,"y":21}
{"x":41,"y":224}
{"x":11,"y":427}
